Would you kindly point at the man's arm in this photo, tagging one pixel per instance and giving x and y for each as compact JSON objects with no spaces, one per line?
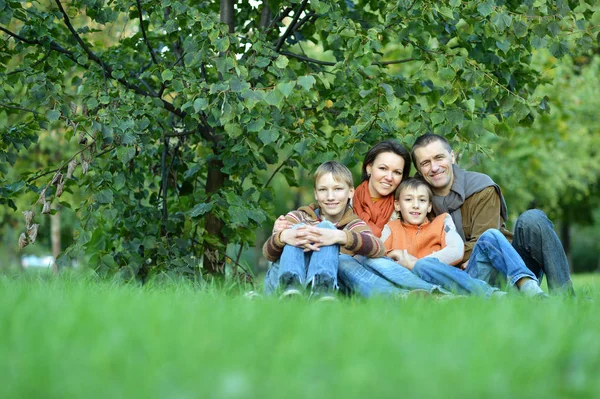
{"x":480,"y":212}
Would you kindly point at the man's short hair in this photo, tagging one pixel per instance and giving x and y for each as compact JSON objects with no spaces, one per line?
{"x":339,"y":172}
{"x":425,"y":140}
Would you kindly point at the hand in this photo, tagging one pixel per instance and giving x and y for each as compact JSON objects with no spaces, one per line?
{"x":402,"y":257}
{"x":312,"y":238}
{"x":463,"y":266}
{"x":281,"y":224}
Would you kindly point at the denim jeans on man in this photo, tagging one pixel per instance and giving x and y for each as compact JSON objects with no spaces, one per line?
{"x":379,"y":276}
{"x":295,"y":264}
{"x":540,"y":248}
{"x":492,"y":262}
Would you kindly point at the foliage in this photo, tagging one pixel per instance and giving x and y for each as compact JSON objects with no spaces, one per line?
{"x":180,"y":109}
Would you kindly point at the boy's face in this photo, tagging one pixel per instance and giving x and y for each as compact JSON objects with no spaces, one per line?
{"x":414,"y":205}
{"x":332,"y":196}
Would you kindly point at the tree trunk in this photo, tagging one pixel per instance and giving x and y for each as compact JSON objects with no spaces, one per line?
{"x":55,"y":238}
{"x":213,"y":262}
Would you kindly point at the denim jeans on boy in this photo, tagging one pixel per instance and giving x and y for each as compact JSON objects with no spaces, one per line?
{"x":451,"y":278}
{"x":379,"y":276}
{"x":540,"y":248}
{"x":294,"y":263}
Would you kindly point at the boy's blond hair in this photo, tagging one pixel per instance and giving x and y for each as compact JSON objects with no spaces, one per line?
{"x":339,"y":172}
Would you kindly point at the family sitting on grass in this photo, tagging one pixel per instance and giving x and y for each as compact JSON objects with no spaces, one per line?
{"x":441,"y":232}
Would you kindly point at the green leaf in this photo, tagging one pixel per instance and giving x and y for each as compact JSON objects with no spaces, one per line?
{"x":53,"y":115}
{"x":307,"y":82}
{"x":450,"y":96}
{"x":485,"y":9}
{"x":455,"y":117}
{"x":166,"y":75}
{"x":104,"y":196}
{"x":256,"y":125}
{"x":275,"y":98}
{"x":503,"y":45}
{"x":470,"y":105}
{"x":282,"y":62}
{"x":222,"y":44}
{"x":502,"y":21}
{"x":268,"y":136}
{"x":447,"y":74}
{"x":286,"y":88}
{"x":200,"y":209}
{"x":520,"y":29}
{"x":200,"y":104}
{"x":125,"y":154}
{"x":238,"y":216}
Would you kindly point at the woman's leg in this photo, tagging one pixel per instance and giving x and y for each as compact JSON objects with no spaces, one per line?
{"x":355,"y":278}
{"x":398,"y":274}
{"x":451,"y":278}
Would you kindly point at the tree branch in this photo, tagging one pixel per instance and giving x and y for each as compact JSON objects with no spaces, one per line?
{"x":53,"y":45}
{"x":290,"y":27}
{"x":19,"y":108}
{"x":330,"y":63}
{"x":106,"y":68}
{"x":279,"y":18}
{"x":139,"y":7}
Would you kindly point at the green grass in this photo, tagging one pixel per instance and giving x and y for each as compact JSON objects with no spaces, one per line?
{"x":80,"y":338}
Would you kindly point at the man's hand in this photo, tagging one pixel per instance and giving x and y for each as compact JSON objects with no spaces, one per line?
{"x":463,"y":266}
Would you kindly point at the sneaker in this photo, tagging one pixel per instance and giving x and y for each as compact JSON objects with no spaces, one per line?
{"x":292,"y":287}
{"x":531,"y":289}
{"x":251,"y":295}
{"x":291,"y":292}
{"x":497,"y":294}
{"x":321,"y":289}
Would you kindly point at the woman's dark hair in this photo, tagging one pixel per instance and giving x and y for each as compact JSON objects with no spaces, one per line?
{"x":386,"y":146}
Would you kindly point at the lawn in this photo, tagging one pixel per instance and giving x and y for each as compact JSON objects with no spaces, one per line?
{"x":66,"y":337}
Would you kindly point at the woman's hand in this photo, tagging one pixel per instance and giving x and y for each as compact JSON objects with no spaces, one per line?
{"x":281,"y":224}
{"x":402,"y":257}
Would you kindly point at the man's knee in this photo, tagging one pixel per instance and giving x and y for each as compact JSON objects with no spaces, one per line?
{"x":532,"y":218}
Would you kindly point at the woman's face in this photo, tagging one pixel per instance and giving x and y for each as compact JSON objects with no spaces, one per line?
{"x":385,"y":174}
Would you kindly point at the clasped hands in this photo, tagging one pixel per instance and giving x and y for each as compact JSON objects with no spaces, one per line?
{"x":311,"y":238}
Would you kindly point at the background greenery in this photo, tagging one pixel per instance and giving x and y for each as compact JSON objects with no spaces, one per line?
{"x":76,"y":337}
{"x":164,"y":136}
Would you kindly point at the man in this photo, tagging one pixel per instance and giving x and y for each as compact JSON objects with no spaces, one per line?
{"x":476,"y":204}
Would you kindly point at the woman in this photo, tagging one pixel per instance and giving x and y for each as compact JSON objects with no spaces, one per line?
{"x":384,"y":167}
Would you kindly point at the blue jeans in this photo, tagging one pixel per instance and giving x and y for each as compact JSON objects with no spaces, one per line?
{"x":379,"y":276}
{"x":540,"y":248}
{"x":494,"y":260}
{"x":451,"y":278}
{"x":294,"y":263}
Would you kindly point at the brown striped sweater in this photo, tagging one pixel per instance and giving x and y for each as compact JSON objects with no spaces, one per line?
{"x":360,"y":239}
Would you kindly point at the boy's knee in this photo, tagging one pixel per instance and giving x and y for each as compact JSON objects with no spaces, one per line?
{"x":326,"y":224}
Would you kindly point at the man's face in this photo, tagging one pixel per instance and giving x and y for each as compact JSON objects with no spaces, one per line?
{"x":434,"y":163}
{"x":332,"y":196}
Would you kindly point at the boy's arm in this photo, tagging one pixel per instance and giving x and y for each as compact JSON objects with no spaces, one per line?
{"x":452,"y":253}
{"x":361,"y":241}
{"x":273,"y":247}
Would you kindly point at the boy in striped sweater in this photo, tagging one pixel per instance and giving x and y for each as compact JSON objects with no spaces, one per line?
{"x":308,"y":253}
